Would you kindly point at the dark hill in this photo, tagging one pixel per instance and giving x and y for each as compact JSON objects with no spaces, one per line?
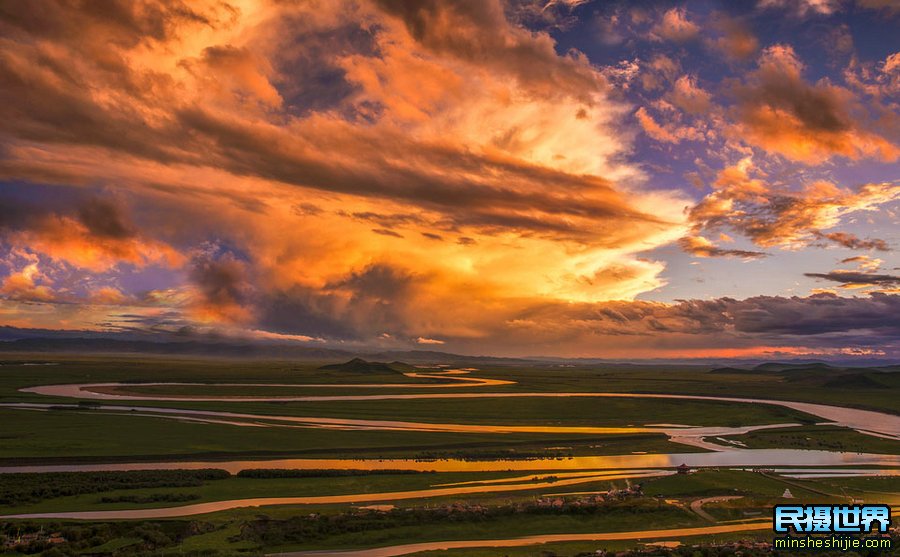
{"x":734,"y":370}
{"x":775,"y":367}
{"x":358,"y":365}
{"x":401,"y":366}
{"x":854,"y":381}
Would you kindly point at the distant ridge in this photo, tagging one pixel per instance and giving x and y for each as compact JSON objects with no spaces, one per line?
{"x":99,"y":345}
{"x":44,"y":341}
{"x":358,"y":365}
{"x":778,"y":367}
{"x":209,"y":344}
{"x":820,"y":374}
{"x":734,"y":370}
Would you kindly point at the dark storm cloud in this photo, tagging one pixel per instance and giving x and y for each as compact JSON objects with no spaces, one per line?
{"x":223,"y":283}
{"x":122,"y":22}
{"x":358,"y":306}
{"x":763,"y":317}
{"x":304,"y":311}
{"x":858,"y":278}
{"x":104,"y":218}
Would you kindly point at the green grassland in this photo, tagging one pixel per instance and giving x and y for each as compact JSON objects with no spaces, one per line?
{"x":585,"y":549}
{"x":69,"y":436}
{"x":817,"y":437}
{"x":665,"y":505}
{"x":86,"y":435}
{"x":546,"y":411}
{"x":247,"y":488}
{"x":534,"y":378}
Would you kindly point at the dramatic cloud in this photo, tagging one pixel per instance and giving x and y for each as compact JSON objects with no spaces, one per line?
{"x":22,"y":285}
{"x":851,"y":241}
{"x":773,"y":217}
{"x":95,"y":236}
{"x":856,"y":279}
{"x":675,"y":26}
{"x":222,"y":285}
{"x":780,"y":112}
{"x":747,"y":327}
{"x":864,"y":262}
{"x":690,"y":98}
{"x":803,"y":7}
{"x":479,"y":175}
{"x":701,"y":247}
{"x":736,"y":40}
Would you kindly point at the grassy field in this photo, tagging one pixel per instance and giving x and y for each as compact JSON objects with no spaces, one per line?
{"x":246,"y":488}
{"x":820,"y":437}
{"x":515,"y":411}
{"x":666,"y":504}
{"x":599,"y":378}
{"x":90,"y":435}
{"x":80,"y":436}
{"x":222,"y":531}
{"x":68,"y":435}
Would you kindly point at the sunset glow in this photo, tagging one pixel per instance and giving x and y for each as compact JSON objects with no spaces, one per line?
{"x":563,"y":178}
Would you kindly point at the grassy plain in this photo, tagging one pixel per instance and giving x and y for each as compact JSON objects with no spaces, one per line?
{"x":817,"y":437}
{"x":31,"y":437}
{"x":87,"y":435}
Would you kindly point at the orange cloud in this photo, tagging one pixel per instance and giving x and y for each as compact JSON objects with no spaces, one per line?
{"x":675,"y":26}
{"x":108,"y":295}
{"x":90,"y":242}
{"x":781,"y":113}
{"x":690,"y":98}
{"x":449,"y":121}
{"x":23,"y":286}
{"x":778,"y":217}
{"x":418,"y":171}
{"x":701,"y":247}
{"x":668,"y":133}
{"x":736,"y":40}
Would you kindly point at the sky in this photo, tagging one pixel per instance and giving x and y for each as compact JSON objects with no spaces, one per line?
{"x":623,"y":179}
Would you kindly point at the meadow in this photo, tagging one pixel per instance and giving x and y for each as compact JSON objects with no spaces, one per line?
{"x":72,"y":433}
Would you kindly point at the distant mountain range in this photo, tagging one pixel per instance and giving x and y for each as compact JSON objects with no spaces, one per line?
{"x":13,"y":339}
{"x":37,"y":341}
{"x":358,"y":365}
{"x":822,"y":374}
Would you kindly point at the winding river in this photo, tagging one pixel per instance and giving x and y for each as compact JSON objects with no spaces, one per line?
{"x":865,"y":421}
{"x":603,"y":467}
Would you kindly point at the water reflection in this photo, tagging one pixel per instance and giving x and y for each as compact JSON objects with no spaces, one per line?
{"x":681,"y":433}
{"x":758,"y":458}
{"x":865,"y":421}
